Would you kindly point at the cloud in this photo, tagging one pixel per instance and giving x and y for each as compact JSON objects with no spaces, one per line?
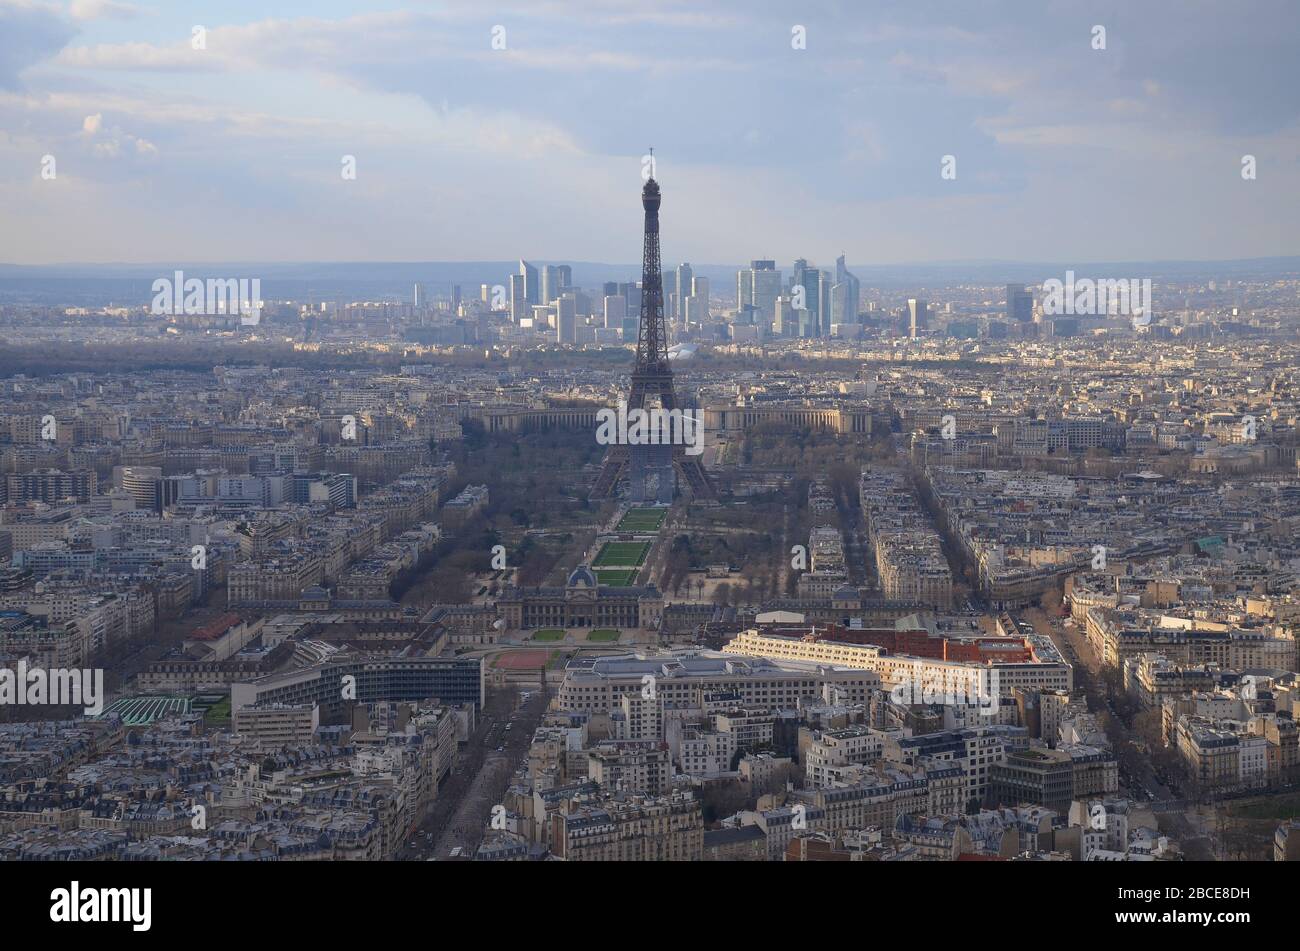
{"x":465,"y":150}
{"x":103,"y":9}
{"x":112,"y":142}
{"x":30,"y":33}
{"x":349,"y":46}
{"x":143,"y":56}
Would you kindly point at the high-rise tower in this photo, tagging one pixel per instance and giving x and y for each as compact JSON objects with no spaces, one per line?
{"x":529,"y":274}
{"x":1020,"y":304}
{"x":849,"y":296}
{"x":649,"y":469}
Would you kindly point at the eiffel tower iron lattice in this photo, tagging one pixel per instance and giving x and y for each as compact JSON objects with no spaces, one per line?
{"x":649,"y":468}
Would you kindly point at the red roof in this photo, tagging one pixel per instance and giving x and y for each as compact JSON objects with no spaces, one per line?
{"x":215,"y":628}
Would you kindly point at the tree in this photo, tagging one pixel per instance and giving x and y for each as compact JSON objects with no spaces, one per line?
{"x":450,"y":585}
{"x":720,"y":800}
{"x":1050,"y":601}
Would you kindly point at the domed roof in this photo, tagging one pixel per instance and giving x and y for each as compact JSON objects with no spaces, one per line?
{"x":582,"y":577}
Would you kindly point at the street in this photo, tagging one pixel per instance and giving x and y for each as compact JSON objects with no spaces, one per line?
{"x":479,"y":778}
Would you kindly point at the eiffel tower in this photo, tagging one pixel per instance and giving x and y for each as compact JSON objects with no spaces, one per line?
{"x":649,"y":469}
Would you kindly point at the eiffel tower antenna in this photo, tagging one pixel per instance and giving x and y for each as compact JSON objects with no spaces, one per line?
{"x":650,"y":469}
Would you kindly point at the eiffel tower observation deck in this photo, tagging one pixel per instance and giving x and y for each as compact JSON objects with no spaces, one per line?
{"x":651,"y":472}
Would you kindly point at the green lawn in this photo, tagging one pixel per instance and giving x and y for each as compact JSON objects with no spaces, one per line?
{"x":548,"y":634}
{"x":622,"y":554}
{"x":218,"y":712}
{"x":604,"y":634}
{"x":616,"y":577}
{"x":642,"y":520}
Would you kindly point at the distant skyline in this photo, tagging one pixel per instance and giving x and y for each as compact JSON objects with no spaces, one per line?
{"x":1064,"y":153}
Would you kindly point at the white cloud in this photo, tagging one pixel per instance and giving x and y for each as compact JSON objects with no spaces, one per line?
{"x":526,"y":150}
{"x":140,"y":56}
{"x":103,"y":9}
{"x":384,"y":40}
{"x":110,"y":141}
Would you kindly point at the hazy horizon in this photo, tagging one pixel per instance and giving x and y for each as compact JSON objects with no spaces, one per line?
{"x":131,"y":284}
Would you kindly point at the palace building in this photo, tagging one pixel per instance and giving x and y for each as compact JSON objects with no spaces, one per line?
{"x":582,"y":602}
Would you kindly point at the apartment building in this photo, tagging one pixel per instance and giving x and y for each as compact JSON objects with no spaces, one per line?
{"x":274,"y":725}
{"x":596,"y":684}
{"x":632,"y":829}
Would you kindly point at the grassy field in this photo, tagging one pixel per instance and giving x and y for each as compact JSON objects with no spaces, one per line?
{"x":219,"y":712}
{"x":616,"y":577}
{"x":642,"y":520}
{"x":548,"y":634}
{"x":604,"y":635}
{"x":622,"y":554}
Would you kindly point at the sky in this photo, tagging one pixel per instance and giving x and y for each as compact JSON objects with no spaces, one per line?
{"x":1061,"y":151}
